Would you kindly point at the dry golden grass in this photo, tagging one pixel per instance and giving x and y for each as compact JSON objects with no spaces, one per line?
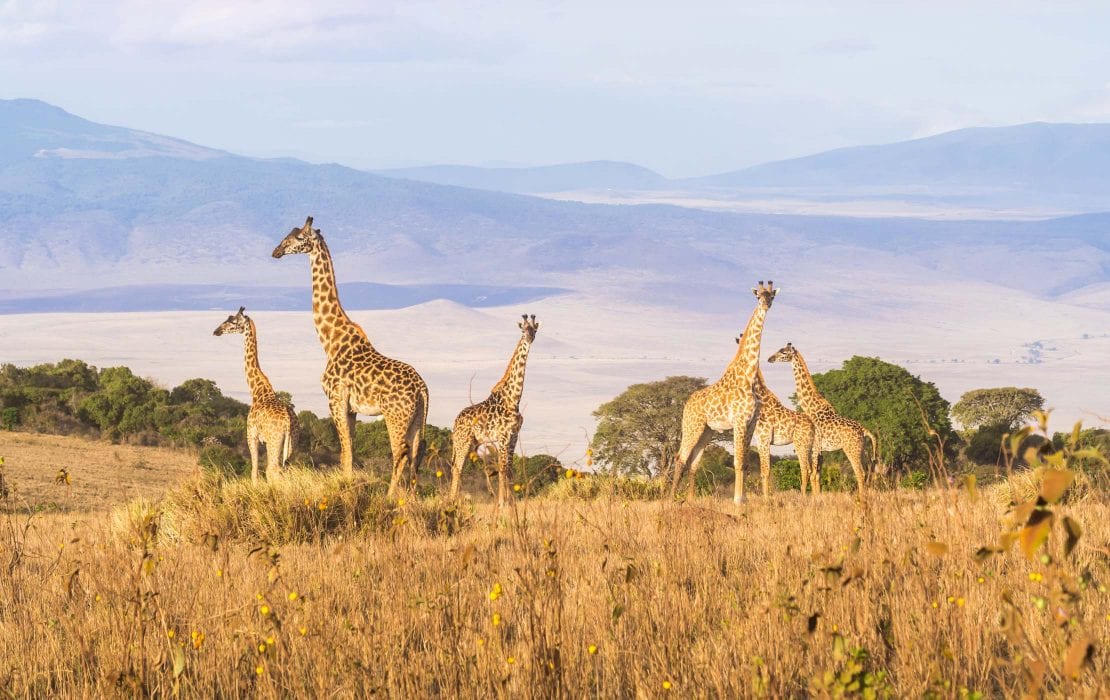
{"x":783,"y":597}
{"x":101,"y":474}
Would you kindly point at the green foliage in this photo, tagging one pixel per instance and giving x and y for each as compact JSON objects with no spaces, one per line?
{"x":581,"y":486}
{"x":1005,"y":407}
{"x":221,"y":459}
{"x":915,"y":479}
{"x":853,"y":676}
{"x":985,"y":445}
{"x":638,"y":432}
{"x":892,"y":404}
{"x":537,"y":471}
{"x":786,"y":474}
{"x":9,"y":418}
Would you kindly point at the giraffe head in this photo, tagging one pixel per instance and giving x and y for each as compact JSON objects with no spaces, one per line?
{"x":786,"y":354}
{"x":529,"y":326}
{"x":303,"y":239}
{"x":765,"y":294}
{"x":236,"y":323}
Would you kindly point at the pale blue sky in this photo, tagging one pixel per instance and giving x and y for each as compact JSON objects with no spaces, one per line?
{"x":685,"y":88}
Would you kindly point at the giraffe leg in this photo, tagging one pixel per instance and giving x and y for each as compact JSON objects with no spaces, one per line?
{"x":815,"y":466}
{"x":505,"y":469}
{"x":462,"y":444}
{"x":694,"y":439}
{"x":274,"y":448}
{"x":741,"y":440}
{"x":764,"y":447}
{"x":252,"y":446}
{"x":341,"y":416}
{"x":693,"y":462}
{"x":414,"y":441}
{"x":855,"y":456}
{"x":287,"y":447}
{"x":803,"y":447}
{"x":399,"y":448}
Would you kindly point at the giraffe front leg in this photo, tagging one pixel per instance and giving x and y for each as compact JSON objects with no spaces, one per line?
{"x":764,"y":447}
{"x":461,"y":446}
{"x":815,"y":466}
{"x":274,"y":450}
{"x":341,"y":417}
{"x":855,"y":457}
{"x":741,"y":440}
{"x":505,"y":469}
{"x":252,"y":446}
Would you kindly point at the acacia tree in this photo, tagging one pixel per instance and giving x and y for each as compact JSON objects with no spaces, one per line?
{"x":1002,"y":407}
{"x":638,"y":432}
{"x":897,"y":406}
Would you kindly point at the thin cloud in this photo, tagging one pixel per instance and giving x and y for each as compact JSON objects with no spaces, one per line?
{"x":845,"y":47}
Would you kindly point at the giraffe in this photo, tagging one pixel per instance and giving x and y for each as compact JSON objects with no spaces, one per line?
{"x":833,"y":431}
{"x":271,"y":421}
{"x":496,"y":421}
{"x":730,"y":402}
{"x":358,"y":378}
{"x":778,"y":425}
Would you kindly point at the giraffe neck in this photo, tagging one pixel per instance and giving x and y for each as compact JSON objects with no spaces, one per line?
{"x":809,"y":398}
{"x":746,"y":362}
{"x":332,"y":322}
{"x":257,"y":380}
{"x":511,"y":385}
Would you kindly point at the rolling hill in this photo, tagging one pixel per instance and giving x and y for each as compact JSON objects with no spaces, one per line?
{"x":594,"y":175}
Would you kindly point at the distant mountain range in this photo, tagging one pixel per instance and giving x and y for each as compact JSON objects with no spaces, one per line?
{"x":88,"y":206}
{"x":1055,"y":166}
{"x":593,"y":175}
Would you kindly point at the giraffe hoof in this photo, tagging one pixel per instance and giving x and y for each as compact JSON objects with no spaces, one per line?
{"x":738,"y":500}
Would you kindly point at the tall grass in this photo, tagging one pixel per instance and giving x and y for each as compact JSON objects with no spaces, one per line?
{"x":785,"y":597}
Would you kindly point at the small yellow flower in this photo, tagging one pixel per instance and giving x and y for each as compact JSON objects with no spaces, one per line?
{"x":1034,"y":576}
{"x":265,"y":610}
{"x":262,"y":648}
{"x":258,"y":669}
{"x":400,"y":502}
{"x":323,"y":505}
{"x":570,"y":473}
{"x":169,"y":633}
{"x":960,"y":602}
{"x":481,"y":642}
{"x":495,"y":592}
{"x":496,"y":619}
{"x":198,"y":639}
{"x":935,"y":604}
{"x":516,"y":487}
{"x":473,"y":456}
{"x":666,"y":685}
{"x":439,"y":473}
{"x":292,"y":595}
{"x":592,"y":649}
{"x":219,"y":573}
{"x":980,"y":579}
{"x":303,"y":630}
{"x":511,"y":659}
{"x":269,"y":641}
{"x":97,"y":597}
{"x":951,"y":599}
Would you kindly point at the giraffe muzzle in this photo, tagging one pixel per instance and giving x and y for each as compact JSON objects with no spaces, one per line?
{"x":278,"y":252}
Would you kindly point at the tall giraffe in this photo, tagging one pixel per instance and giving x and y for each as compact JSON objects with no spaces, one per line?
{"x":496,"y":421}
{"x":270,"y":421}
{"x":778,"y":425}
{"x":834,"y":431}
{"x":729,"y":403}
{"x":358,"y":378}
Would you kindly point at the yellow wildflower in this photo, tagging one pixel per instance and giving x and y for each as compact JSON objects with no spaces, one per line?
{"x":592,"y":649}
{"x":258,"y":669}
{"x":516,"y":487}
{"x":960,"y":602}
{"x":292,"y":595}
{"x":439,"y":473}
{"x":265,"y":610}
{"x":495,"y":592}
{"x":261,"y":648}
{"x":496,"y":619}
{"x":511,"y":659}
{"x":169,"y":633}
{"x":198,"y":639}
{"x":666,"y":685}
{"x":1034,"y":576}
{"x":303,"y":630}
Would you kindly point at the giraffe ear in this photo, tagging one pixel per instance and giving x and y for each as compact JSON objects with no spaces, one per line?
{"x":308,"y":222}
{"x":242,"y":309}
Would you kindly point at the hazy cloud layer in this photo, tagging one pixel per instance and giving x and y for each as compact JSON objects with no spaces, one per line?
{"x":704,"y":87}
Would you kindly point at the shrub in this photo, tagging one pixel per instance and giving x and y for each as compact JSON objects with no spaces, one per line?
{"x":786,"y":475}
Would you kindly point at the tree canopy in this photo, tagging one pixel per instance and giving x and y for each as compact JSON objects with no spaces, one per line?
{"x":891,"y":403}
{"x":638,"y":432}
{"x":1005,"y":407}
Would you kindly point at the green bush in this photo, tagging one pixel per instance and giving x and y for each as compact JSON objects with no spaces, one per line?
{"x":915,"y":479}
{"x":786,"y":474}
{"x":221,"y":459}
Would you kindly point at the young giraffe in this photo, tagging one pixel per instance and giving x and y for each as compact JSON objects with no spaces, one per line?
{"x":270,"y":421}
{"x":730,"y":403}
{"x":834,"y":431}
{"x":358,"y":378}
{"x":778,"y":425}
{"x":496,"y":421}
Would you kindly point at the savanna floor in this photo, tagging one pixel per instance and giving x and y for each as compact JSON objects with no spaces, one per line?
{"x":782,"y":597}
